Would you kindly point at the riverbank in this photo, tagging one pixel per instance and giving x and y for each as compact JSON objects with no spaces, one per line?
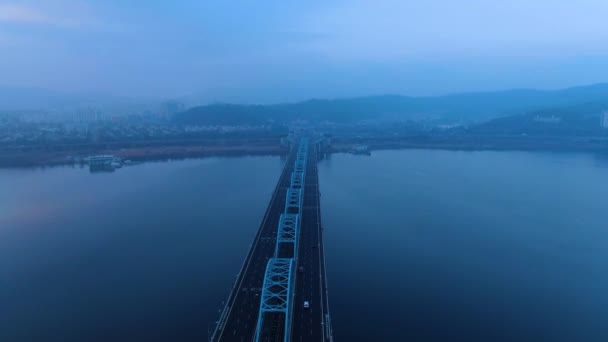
{"x":507,"y":143}
{"x":70,"y":155}
{"x":40,"y":157}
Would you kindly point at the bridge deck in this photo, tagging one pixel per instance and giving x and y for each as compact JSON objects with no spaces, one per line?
{"x":239,"y":318}
{"x":309,"y":324}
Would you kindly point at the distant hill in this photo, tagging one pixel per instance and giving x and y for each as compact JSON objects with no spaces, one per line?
{"x":574,"y":120}
{"x":463,"y":108}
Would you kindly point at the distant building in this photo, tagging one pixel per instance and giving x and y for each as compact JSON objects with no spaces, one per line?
{"x":547,"y":119}
{"x":285,"y":141}
{"x":169,"y":108}
{"x":604,"y":121}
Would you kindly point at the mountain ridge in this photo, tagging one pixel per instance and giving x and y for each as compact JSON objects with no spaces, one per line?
{"x":464,"y":108}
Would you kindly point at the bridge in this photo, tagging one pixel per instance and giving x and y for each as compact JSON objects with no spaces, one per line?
{"x":285,"y":266}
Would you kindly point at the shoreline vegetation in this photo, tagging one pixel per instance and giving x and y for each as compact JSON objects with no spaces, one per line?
{"x":42,"y":157}
{"x":477,"y":143}
{"x":56,"y":156}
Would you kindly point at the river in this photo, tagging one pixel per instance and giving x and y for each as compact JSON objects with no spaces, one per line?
{"x":420,"y":245}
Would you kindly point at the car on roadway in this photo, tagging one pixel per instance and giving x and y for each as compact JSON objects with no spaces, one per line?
{"x":306,"y":304}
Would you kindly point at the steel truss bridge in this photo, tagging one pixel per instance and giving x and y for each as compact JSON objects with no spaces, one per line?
{"x":285,"y":265}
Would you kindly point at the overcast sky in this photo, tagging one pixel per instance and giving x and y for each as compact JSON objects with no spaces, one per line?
{"x":270,"y":51}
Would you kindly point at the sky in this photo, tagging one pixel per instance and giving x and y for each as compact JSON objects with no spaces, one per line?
{"x":273,"y":51}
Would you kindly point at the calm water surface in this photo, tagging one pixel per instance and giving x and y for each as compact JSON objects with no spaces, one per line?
{"x":146,"y":253}
{"x":467,"y":246}
{"x":420,"y":245}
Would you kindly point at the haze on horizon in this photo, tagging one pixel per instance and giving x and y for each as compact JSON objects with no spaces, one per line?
{"x":273,"y":51}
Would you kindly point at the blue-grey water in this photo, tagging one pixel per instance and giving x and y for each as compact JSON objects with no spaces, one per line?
{"x":420,"y":245}
{"x":146,"y":253}
{"x":467,"y":246}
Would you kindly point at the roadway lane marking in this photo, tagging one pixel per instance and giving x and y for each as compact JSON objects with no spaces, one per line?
{"x":252,"y":253}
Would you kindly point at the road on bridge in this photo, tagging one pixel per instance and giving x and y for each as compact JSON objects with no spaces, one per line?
{"x":239,"y":317}
{"x":308,"y":324}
